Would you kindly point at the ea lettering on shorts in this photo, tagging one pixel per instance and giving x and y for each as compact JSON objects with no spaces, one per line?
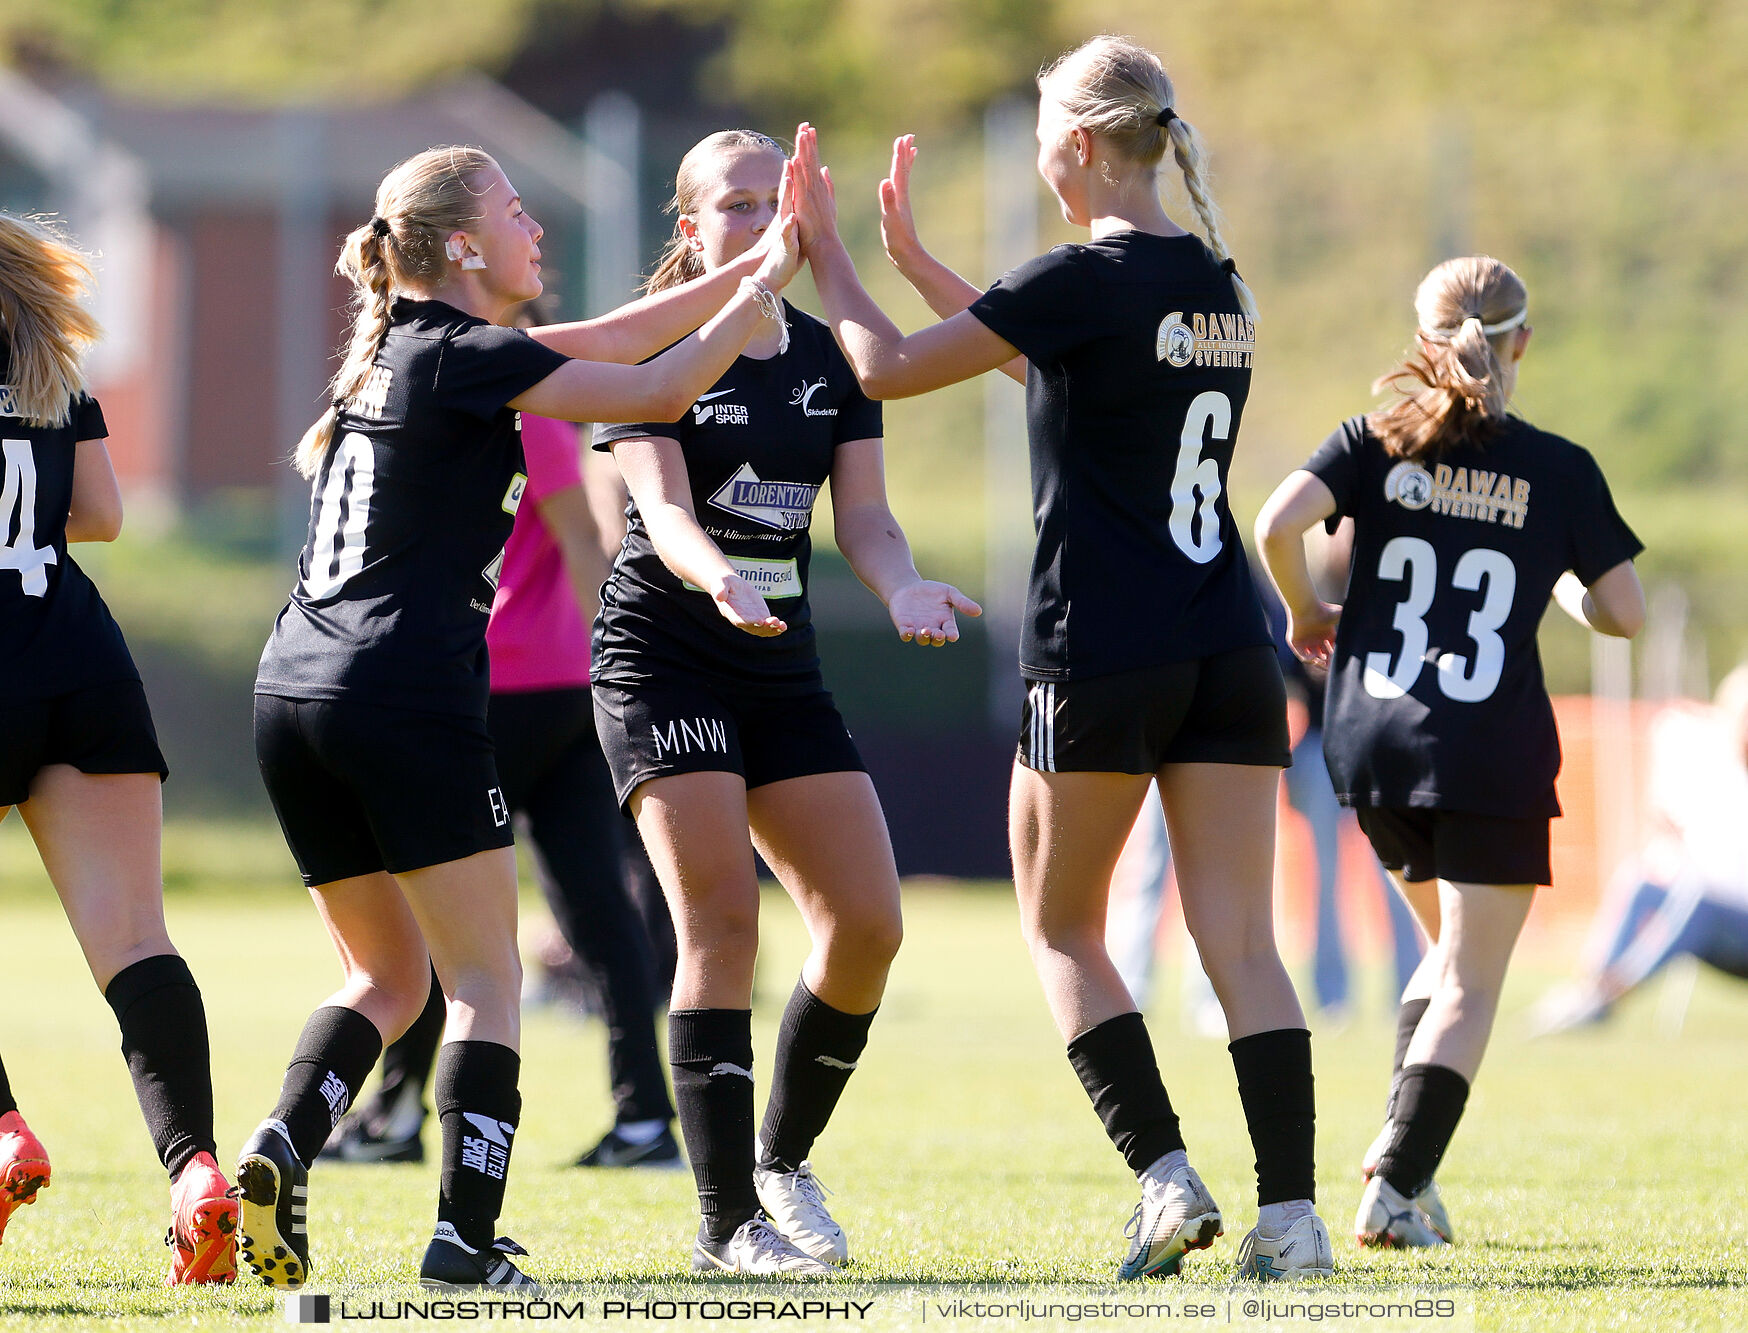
{"x":690,"y":735}
{"x":500,"y":807}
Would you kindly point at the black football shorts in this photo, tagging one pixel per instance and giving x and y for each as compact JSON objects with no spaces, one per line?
{"x":651,"y":730}
{"x":1459,"y":846}
{"x":101,"y":729}
{"x":1230,"y":708}
{"x":360,"y":787}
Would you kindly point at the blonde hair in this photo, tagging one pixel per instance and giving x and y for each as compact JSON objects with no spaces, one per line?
{"x":418,"y":205}
{"x":1452,"y":385}
{"x":680,"y":262}
{"x":43,"y":278}
{"x":1115,"y":88}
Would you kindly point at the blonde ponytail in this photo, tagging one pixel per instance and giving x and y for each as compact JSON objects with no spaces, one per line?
{"x":43,"y":278}
{"x":1117,"y":89}
{"x":418,"y":205}
{"x":1452,"y":387}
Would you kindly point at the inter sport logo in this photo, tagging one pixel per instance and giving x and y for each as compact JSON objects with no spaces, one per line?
{"x":724,"y":414}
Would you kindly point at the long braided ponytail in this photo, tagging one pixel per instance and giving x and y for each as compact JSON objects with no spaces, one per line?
{"x":418,"y":204}
{"x":1116,"y":88}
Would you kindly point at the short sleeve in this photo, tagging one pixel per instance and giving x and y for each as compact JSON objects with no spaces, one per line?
{"x":551,"y":450}
{"x":483,"y":366}
{"x":607,"y":434}
{"x":88,"y":423}
{"x":1044,"y":307}
{"x":1600,"y":538}
{"x":1337,"y":465}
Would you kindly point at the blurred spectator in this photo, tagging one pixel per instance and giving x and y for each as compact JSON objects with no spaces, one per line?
{"x":1687,"y":892}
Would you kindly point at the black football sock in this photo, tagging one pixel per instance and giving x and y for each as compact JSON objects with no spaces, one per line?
{"x":1427,"y":1111}
{"x":1274,"y":1084}
{"x":1116,"y":1067}
{"x":711,"y":1053}
{"x":406,"y":1064}
{"x":817,"y":1049}
{"x":1408,"y":1018}
{"x":163,"y":1039}
{"x":479,"y":1106}
{"x":7,"y":1105}
{"x":334,"y":1056}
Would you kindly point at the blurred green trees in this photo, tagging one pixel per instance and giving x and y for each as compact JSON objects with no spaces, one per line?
{"x":1599,"y":146}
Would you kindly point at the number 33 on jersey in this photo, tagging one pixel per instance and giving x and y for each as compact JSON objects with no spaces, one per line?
{"x":1454,"y":562}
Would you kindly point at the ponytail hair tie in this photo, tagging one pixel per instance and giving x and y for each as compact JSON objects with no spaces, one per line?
{"x":379,"y":227}
{"x":1487,"y":330}
{"x":1230,"y":268}
{"x":1165,"y":117}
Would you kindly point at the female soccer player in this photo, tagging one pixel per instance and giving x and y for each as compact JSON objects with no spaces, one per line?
{"x":370,"y":704}
{"x":1437,"y":726}
{"x":542,"y":727}
{"x":715,"y":722}
{"x":1144,"y":643}
{"x":78,"y":753}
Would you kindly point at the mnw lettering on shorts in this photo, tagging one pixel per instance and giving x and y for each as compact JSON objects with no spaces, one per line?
{"x":687,"y":734}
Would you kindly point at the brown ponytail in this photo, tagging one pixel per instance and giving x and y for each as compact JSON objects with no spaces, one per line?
{"x":1452,"y":386}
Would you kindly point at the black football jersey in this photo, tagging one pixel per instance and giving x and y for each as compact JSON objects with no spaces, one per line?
{"x":1140,"y":363}
{"x":408,"y":518}
{"x":758,"y":447}
{"x":56,"y":635}
{"x":1436,"y":697}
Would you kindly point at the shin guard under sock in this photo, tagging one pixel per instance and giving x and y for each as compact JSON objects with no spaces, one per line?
{"x":817,"y":1049}
{"x":1427,"y":1112}
{"x":334,"y":1056}
{"x":1274,"y":1083}
{"x":164,"y":1041}
{"x":1117,"y":1068}
{"x":479,"y":1106}
{"x":711,"y":1053}
{"x":1408,"y":1017}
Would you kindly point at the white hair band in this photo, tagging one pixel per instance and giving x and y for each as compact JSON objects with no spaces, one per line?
{"x":1487,"y":330}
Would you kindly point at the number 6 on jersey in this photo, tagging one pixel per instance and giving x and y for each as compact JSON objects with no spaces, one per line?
{"x":1210,"y":413}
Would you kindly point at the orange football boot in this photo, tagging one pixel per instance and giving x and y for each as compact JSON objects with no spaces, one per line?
{"x":24,"y":1166}
{"x":203,"y":1232}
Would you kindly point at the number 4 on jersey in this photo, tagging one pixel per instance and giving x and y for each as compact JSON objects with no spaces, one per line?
{"x":18,"y":498}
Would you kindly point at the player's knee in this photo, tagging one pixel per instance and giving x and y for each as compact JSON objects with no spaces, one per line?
{"x":1233,"y":959}
{"x":868,"y":937}
{"x":724,"y":926}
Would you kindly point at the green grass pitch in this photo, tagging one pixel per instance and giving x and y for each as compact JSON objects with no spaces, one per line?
{"x":1599,"y":1181}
